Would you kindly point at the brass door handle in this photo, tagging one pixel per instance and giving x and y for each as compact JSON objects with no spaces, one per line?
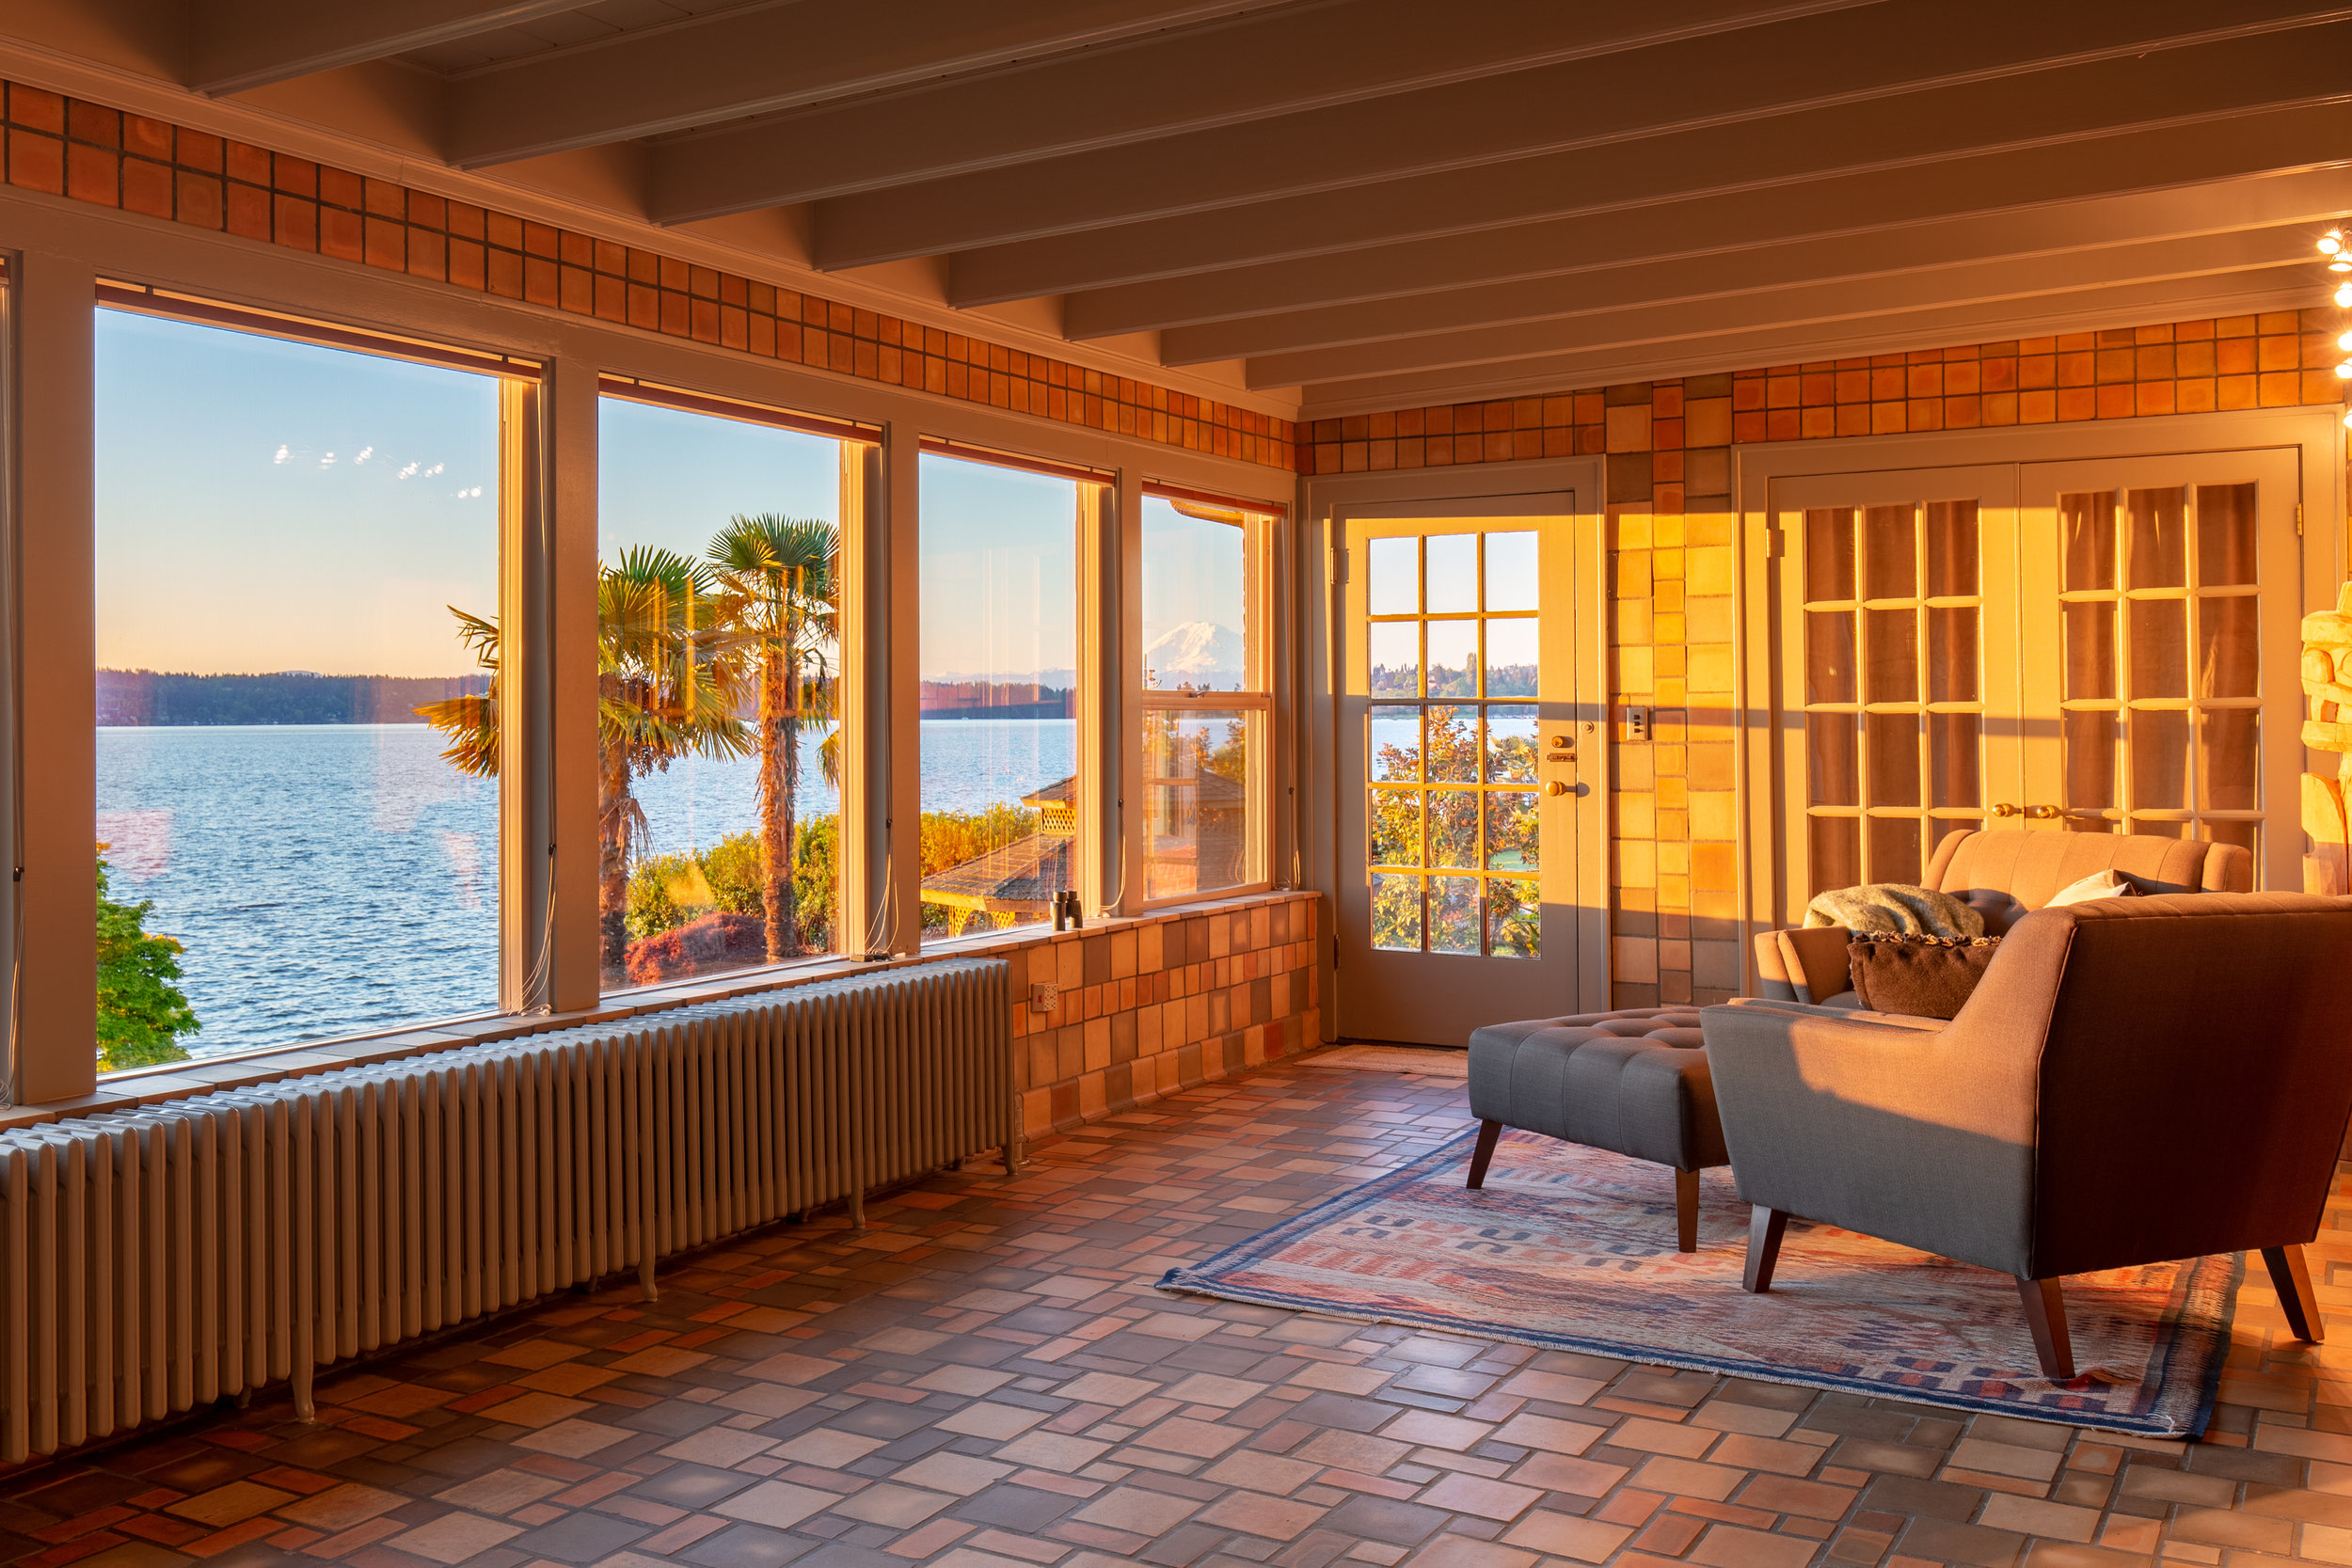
{"x":2044,"y":814}
{"x":2005,"y":808}
{"x":1555,"y":787}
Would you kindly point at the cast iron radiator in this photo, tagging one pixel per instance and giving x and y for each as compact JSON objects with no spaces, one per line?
{"x":155,"y":1261}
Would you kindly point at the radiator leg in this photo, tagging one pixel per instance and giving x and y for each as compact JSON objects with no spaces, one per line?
{"x":857,"y":1209}
{"x":644,"y":1278}
{"x":1013,"y":1154}
{"x":304,"y":1392}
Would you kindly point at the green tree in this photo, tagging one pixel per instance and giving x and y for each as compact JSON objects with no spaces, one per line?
{"x":777,"y":576}
{"x":141,"y":1011}
{"x":671,"y":682}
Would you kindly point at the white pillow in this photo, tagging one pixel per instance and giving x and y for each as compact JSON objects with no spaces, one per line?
{"x":2099,"y":884}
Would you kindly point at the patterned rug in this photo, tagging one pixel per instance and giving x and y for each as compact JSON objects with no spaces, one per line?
{"x":1572,"y":1248}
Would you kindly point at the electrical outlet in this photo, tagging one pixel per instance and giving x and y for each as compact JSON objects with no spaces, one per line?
{"x":1044,"y":996}
{"x":1636,"y":724}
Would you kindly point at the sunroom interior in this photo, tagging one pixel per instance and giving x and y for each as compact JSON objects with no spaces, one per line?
{"x":983,"y":784}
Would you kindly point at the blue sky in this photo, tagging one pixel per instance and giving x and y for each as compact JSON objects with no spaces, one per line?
{"x":999,"y":571}
{"x":1192,"y":571}
{"x":266,"y":505}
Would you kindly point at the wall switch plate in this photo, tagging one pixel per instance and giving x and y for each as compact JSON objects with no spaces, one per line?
{"x":1636,"y":724}
{"x":1044,"y":996}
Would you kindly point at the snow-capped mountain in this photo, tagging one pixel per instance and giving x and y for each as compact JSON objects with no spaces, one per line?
{"x":1201,"y":652}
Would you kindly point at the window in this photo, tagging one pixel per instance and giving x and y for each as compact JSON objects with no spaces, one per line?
{"x":1454,"y":651}
{"x":287,"y":848}
{"x":1203,"y":699}
{"x":2161,"y":708}
{"x":720,"y":683}
{"x":999,"y":704}
{"x":1895,"y":702}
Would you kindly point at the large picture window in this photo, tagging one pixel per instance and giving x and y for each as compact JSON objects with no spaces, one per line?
{"x":719,"y":683}
{"x":999,"y":671}
{"x":1204,"y":698}
{"x":286,"y":848}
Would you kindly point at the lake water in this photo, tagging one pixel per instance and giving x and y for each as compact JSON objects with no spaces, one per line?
{"x":331,"y":880}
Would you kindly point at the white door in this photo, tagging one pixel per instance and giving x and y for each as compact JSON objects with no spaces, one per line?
{"x":2166,"y":595}
{"x":1458,"y":745}
{"x":2050,"y":647}
{"x":1899,"y":653}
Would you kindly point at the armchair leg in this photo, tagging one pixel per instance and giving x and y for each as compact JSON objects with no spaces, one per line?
{"x":1489,"y":1133}
{"x":1686,"y":1210}
{"x":2292,"y":1280}
{"x":2045,"y":1314}
{"x":1765,"y":1228}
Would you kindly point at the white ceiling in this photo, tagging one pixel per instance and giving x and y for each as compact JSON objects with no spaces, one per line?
{"x":1375,"y":203}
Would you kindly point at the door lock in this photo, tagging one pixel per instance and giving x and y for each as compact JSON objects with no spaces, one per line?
{"x":2005,"y":808}
{"x":2044,"y":814}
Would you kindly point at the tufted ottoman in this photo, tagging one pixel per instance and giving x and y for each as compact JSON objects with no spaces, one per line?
{"x":1633,"y":1081}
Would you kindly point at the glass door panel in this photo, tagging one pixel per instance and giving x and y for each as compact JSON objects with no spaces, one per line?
{"x":2165,"y":590}
{"x":1899,"y":656}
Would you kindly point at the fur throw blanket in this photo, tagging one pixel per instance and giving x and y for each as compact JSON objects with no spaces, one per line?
{"x":1898,"y":908}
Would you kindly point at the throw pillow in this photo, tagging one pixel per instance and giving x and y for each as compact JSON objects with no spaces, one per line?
{"x":2099,"y":884}
{"x":1918,"y":976}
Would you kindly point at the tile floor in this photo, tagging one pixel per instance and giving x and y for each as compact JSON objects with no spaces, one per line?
{"x":987,"y":1379}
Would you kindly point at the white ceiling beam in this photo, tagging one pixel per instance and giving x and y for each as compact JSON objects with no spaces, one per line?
{"x":2082,"y":310}
{"x":1930,"y":58}
{"x":2077,"y":230}
{"x":1722,"y":224}
{"x":1943,"y":144}
{"x":1821,"y":306}
{"x":240,"y":44}
{"x":1250,"y":68}
{"x":774,"y":58}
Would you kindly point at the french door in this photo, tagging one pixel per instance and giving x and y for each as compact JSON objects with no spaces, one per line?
{"x":1458,"y":747}
{"x":2049,"y":647}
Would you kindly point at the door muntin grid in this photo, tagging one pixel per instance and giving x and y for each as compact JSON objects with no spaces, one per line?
{"x":2160,"y":723}
{"x":1893,"y":608}
{"x":1454,"y":842}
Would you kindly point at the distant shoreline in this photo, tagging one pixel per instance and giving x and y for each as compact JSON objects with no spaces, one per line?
{"x":142,"y":699}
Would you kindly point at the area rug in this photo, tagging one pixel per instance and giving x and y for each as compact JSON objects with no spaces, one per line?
{"x":1572,"y":1248}
{"x":1429,"y":1061}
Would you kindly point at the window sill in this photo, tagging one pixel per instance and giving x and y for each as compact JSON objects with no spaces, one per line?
{"x":182,"y":1080}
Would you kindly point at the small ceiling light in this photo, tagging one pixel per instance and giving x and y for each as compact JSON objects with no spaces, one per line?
{"x":2345,"y":342}
{"x":2343,"y":369}
{"x":2339,"y":264}
{"x":2344,"y":297}
{"x":2331,"y":243}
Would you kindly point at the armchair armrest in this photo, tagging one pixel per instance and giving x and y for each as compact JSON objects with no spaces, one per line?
{"x":1802,"y":963}
{"x":1924,"y":1137}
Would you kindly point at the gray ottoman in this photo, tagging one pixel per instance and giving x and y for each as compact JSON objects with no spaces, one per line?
{"x":1633,"y":1081}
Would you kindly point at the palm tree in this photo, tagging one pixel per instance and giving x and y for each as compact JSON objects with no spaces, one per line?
{"x":671,"y":682}
{"x":777,"y":576}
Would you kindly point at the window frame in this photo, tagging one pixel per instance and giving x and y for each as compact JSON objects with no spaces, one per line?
{"x":1259,"y":523}
{"x":1092,"y":514}
{"x":525,"y":885}
{"x":856,"y":440}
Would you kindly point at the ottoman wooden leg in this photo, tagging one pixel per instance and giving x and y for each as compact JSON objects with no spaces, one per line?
{"x":1686,"y":1210}
{"x":1490,"y":1133}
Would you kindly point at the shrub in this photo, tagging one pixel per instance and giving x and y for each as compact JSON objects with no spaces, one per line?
{"x":141,"y":1009}
{"x":714,"y":941}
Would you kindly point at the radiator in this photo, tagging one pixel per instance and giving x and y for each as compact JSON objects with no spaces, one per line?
{"x":155,"y":1261}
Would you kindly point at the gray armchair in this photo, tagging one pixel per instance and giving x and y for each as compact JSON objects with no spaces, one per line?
{"x":2134,"y":1080}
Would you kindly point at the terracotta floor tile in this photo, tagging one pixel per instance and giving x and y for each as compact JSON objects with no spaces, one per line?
{"x":988,"y":1378}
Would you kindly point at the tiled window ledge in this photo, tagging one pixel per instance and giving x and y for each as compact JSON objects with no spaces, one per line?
{"x":181,"y":1081}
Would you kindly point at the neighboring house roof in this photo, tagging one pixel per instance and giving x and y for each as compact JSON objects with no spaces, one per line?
{"x":1022,"y":875}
